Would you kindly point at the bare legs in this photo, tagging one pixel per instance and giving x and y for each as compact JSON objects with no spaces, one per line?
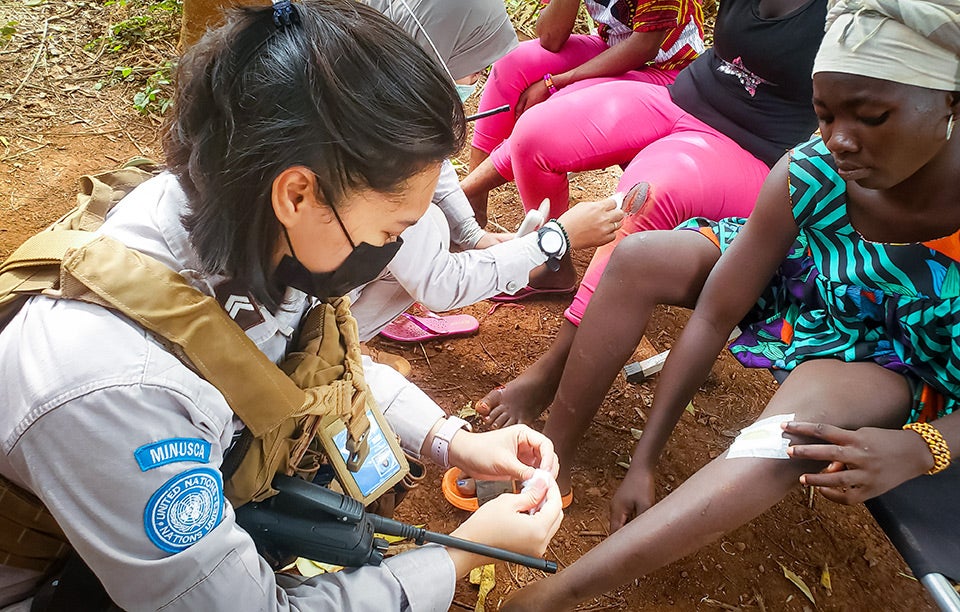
{"x":727,"y":493}
{"x":477,"y":156}
{"x":564,"y":278}
{"x":648,"y":268}
{"x":477,"y":185}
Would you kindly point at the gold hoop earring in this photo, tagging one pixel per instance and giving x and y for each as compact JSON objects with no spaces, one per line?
{"x":950,"y":127}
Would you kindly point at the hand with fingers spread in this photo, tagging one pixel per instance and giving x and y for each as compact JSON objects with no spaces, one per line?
{"x":590,"y":224}
{"x":510,"y":453}
{"x":862,"y":463}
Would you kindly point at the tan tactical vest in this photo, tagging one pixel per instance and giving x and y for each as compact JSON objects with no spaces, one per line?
{"x":281,"y":407}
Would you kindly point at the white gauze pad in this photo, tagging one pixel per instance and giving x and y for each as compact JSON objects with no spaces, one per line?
{"x":542,"y":475}
{"x":762,"y":439}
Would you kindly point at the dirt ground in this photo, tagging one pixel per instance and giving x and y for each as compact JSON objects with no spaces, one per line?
{"x":65,"y":112}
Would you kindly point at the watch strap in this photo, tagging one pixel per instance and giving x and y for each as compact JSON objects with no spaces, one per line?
{"x":440,"y":445}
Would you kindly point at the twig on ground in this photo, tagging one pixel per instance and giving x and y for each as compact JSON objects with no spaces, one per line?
{"x":759,"y":598}
{"x":424,"y":351}
{"x":96,"y":58}
{"x":453,"y":388}
{"x":625,"y":430}
{"x":513,"y":576}
{"x":719,"y":604}
{"x":127,"y":134}
{"x":618,"y":603}
{"x":88,"y":133}
{"x":788,"y":553}
{"x":498,"y":226}
{"x":489,"y":355}
{"x":33,"y":66}
{"x":36,"y":140}
{"x":22,"y":153}
{"x":609,"y":606}
{"x":462,"y":605}
{"x":556,"y":556}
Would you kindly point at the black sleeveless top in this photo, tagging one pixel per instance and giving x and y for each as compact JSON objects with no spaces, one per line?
{"x":755,"y":84}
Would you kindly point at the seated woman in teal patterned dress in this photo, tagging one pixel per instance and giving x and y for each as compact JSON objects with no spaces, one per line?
{"x":864,"y":311}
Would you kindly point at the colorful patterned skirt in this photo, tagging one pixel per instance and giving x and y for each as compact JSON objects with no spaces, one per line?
{"x":802,"y":316}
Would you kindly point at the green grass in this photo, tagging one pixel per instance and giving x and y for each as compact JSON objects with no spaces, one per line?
{"x":142,"y":39}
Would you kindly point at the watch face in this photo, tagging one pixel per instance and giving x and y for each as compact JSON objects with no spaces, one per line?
{"x":551,"y":242}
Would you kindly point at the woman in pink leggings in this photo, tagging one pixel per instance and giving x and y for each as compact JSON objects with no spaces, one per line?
{"x":704,"y":146}
{"x":549,"y":81}
{"x":684,"y":169}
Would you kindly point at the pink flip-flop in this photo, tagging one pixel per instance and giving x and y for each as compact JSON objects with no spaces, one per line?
{"x":411,"y":328}
{"x":528,"y":292}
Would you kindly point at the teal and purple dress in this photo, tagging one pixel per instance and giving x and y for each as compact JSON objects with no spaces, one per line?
{"x":840,"y":296}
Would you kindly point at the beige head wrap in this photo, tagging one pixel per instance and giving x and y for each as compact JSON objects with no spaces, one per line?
{"x":916,"y":42}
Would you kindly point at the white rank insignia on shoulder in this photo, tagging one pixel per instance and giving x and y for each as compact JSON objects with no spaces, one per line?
{"x":183,"y":510}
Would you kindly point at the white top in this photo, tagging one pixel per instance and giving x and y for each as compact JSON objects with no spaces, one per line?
{"x":82,"y":389}
{"x":464,"y":230}
{"x":425,"y":271}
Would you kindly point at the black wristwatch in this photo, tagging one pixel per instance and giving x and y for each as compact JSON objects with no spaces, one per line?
{"x":552,"y":240}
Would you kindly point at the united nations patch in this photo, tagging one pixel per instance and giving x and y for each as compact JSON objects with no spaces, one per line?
{"x":186,"y":508}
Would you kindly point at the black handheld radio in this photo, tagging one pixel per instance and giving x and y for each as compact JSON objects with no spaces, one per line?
{"x":311,"y":521}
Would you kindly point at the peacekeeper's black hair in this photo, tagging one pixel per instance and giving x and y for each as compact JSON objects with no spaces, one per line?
{"x":343,"y":91}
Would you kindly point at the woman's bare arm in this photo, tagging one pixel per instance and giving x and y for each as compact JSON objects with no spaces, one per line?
{"x":733,"y":287}
{"x":556,"y":22}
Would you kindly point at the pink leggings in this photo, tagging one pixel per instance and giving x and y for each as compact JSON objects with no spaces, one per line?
{"x":692,"y":171}
{"x":582,"y":127}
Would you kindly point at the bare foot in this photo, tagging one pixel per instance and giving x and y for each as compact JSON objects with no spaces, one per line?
{"x":542,"y":278}
{"x":520,"y":401}
{"x":524,"y":398}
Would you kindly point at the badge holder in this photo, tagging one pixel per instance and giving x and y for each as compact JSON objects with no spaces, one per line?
{"x":384,"y":466}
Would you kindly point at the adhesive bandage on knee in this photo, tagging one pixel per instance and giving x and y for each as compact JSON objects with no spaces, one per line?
{"x":763,"y":439}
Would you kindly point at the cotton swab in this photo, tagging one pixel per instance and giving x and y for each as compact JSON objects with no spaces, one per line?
{"x":534,"y":218}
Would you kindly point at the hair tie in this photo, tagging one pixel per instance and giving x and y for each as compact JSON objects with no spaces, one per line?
{"x":284,"y":14}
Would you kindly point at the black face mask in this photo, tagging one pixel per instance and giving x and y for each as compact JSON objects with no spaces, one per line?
{"x":364,"y":263}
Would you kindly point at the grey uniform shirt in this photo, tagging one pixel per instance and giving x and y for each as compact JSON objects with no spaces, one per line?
{"x":85,"y":395}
